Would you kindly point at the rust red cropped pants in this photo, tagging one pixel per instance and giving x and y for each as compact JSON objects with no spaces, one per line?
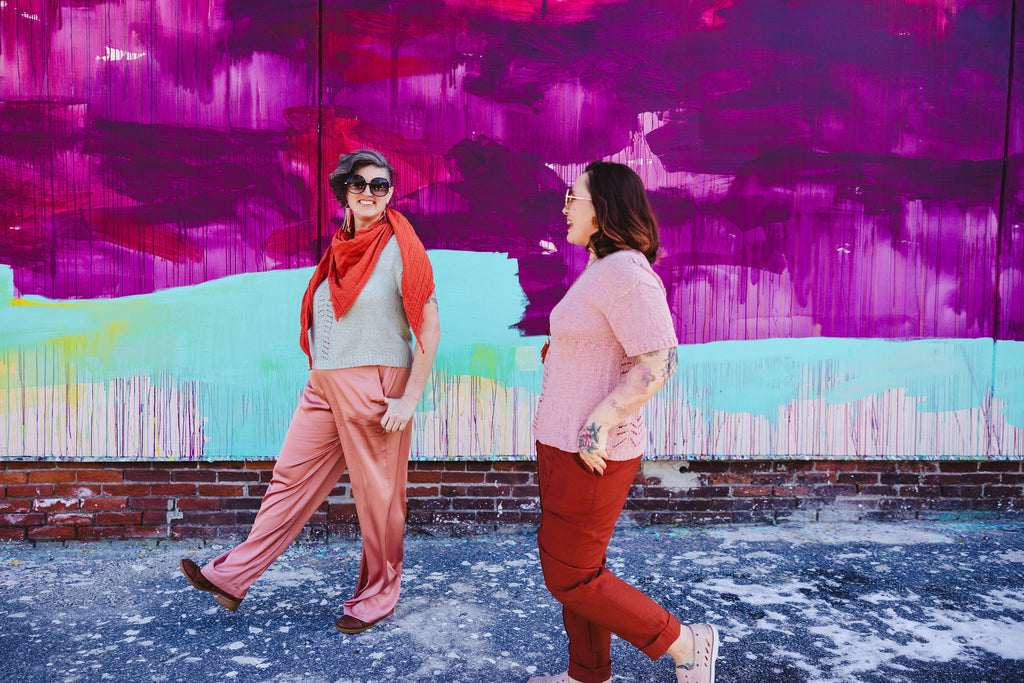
{"x":336,"y":426}
{"x":578,"y":514}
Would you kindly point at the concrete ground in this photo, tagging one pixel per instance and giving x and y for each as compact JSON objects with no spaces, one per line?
{"x":814,"y":603}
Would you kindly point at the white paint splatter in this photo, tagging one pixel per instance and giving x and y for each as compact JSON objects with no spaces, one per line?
{"x":64,"y":503}
{"x":1013,"y":556}
{"x":939,"y":637}
{"x":258,"y":662}
{"x":112,"y":54}
{"x":755,"y":594}
{"x":829,"y":534}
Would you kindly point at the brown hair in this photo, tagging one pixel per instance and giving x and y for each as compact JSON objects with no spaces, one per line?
{"x":352,"y":162}
{"x":624,"y":216}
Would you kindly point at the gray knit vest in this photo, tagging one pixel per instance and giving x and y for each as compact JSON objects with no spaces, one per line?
{"x":375,"y":331}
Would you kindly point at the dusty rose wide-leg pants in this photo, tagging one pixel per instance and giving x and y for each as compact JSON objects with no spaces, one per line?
{"x":336,"y":425}
{"x":578,"y":514}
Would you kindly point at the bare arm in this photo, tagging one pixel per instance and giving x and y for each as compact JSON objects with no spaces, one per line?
{"x":400,"y":410}
{"x":643,"y":381}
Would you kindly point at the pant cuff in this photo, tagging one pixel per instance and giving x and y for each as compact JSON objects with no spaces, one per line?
{"x":585,"y":675}
{"x":661,"y":644}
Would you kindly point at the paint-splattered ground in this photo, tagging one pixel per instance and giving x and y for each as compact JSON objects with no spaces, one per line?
{"x":816,"y":603}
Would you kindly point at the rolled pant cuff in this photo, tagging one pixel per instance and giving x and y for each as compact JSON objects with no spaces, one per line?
{"x":585,"y":675}
{"x":664,"y":641}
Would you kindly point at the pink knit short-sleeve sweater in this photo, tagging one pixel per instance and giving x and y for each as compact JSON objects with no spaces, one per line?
{"x":615,"y":311}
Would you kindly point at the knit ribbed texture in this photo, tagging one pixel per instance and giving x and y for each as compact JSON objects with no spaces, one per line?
{"x":348,"y":263}
{"x":615,"y":311}
{"x":374,"y":331}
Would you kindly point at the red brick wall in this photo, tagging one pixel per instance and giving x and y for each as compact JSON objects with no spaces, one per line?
{"x":85,"y":501}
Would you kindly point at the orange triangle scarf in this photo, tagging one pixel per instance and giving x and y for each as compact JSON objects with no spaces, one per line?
{"x":349,"y":261}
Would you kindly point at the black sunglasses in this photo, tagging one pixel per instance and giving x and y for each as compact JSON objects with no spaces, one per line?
{"x":378,"y":186}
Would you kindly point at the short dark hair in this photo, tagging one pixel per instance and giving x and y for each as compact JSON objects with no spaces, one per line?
{"x":352,"y":162}
{"x":624,"y":216}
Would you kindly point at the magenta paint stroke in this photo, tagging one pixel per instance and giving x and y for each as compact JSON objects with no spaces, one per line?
{"x":834,"y":169}
{"x":1011,"y":234}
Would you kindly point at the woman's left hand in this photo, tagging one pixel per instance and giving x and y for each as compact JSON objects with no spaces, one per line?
{"x":398,"y":414}
{"x":592,"y":444}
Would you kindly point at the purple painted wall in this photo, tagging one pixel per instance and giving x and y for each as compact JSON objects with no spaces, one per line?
{"x":843,"y":168}
{"x":1011,"y":228}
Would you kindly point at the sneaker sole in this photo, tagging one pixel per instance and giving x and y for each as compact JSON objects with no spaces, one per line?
{"x":714,"y":651}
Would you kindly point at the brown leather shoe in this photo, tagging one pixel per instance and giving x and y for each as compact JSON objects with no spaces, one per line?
{"x":349,"y":624}
{"x":195,"y":577}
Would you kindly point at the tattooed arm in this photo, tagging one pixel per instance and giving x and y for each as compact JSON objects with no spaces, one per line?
{"x":639,"y":384}
{"x":400,"y":410}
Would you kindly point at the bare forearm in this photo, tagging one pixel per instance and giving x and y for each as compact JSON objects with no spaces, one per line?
{"x":636,"y":388}
{"x":424,"y":354}
{"x":400,"y":410}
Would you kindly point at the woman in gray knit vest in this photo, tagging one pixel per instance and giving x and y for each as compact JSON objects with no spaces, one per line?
{"x":372,"y":290}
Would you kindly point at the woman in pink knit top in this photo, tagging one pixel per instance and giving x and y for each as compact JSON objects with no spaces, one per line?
{"x":612,"y":347}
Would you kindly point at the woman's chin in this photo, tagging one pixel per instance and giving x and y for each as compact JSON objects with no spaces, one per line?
{"x":365,"y":214}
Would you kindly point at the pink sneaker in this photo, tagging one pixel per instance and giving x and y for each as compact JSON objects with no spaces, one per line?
{"x":705,"y":652}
